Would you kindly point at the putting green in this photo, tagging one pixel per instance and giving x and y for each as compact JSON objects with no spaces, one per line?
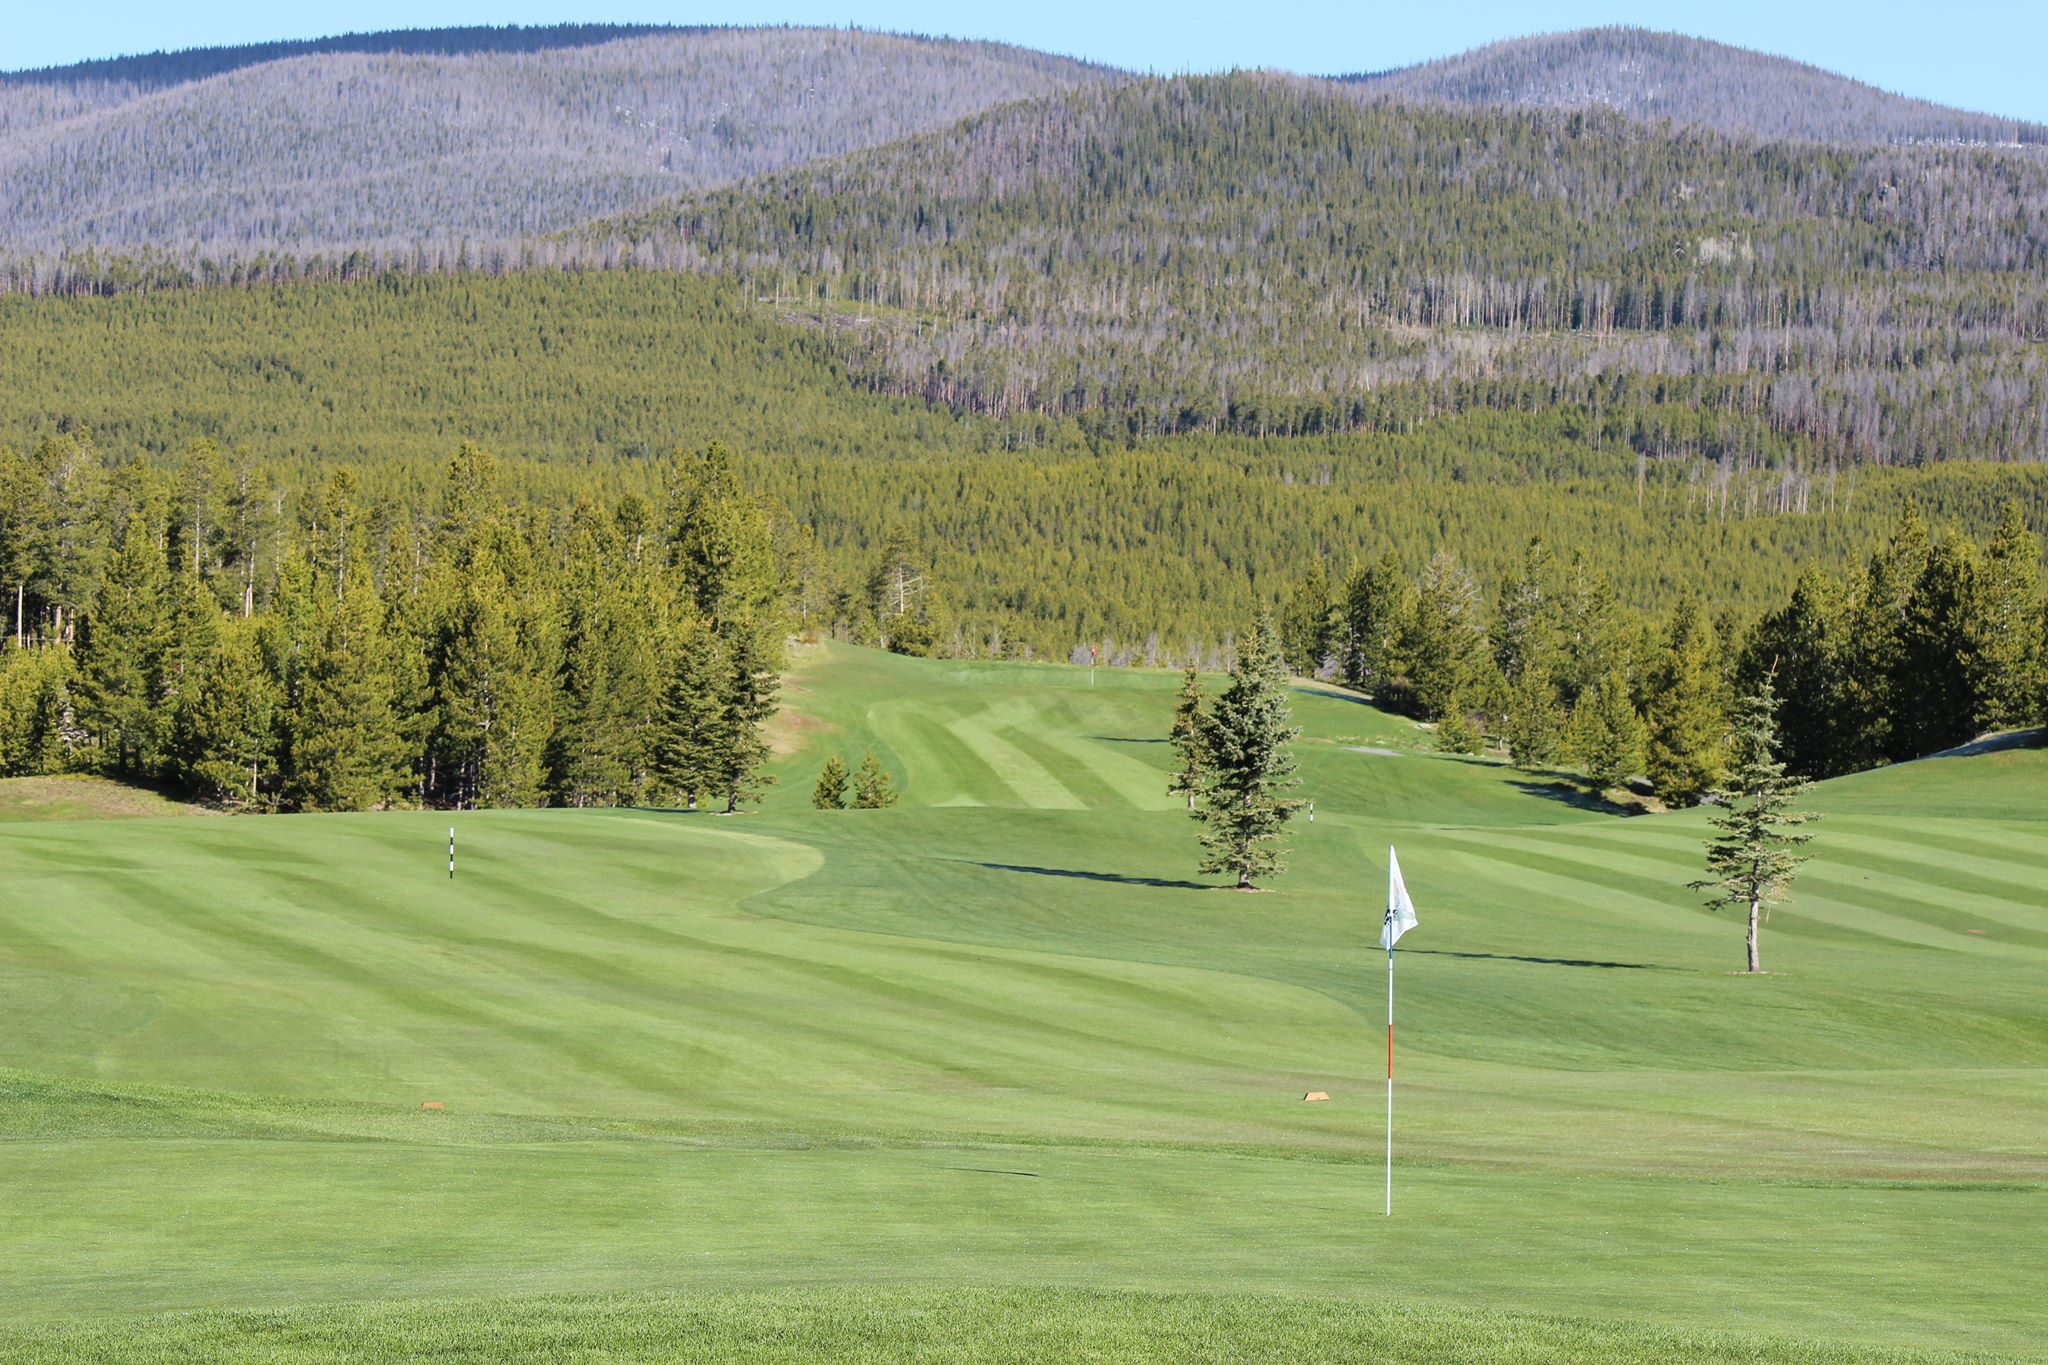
{"x":998,"y":1040}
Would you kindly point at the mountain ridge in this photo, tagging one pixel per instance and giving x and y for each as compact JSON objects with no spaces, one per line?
{"x":1653,"y":74}
{"x":339,"y":150}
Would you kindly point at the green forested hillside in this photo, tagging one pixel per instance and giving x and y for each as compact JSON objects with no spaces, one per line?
{"x":1269,"y":254}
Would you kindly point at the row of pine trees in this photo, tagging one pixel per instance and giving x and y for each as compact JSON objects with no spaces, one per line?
{"x":1934,"y":641}
{"x":480,"y":654}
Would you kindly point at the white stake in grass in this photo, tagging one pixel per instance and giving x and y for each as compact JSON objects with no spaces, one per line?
{"x":451,"y":853}
{"x":1400,"y":919}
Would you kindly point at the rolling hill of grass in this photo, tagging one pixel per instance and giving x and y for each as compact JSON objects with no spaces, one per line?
{"x":990,"y":1074}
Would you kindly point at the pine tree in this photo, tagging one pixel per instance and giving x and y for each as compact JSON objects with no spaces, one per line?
{"x":872,"y":786}
{"x":751,"y":681}
{"x":1877,"y":686}
{"x":1589,"y":645}
{"x":495,"y":666}
{"x":1534,"y":722}
{"x":1375,"y":620}
{"x":1446,"y":643}
{"x":721,"y":541}
{"x":1245,"y":741}
{"x":2008,"y":650}
{"x":607,"y":692}
{"x":1751,"y":861}
{"x":1800,"y":651}
{"x":1186,"y":739}
{"x":1306,"y":624}
{"x":1523,"y":631}
{"x":899,"y":597}
{"x":346,"y":750}
{"x":23,"y":530}
{"x":690,"y":738}
{"x":121,"y":647}
{"x":1607,"y":735}
{"x":1935,"y":695}
{"x":1686,"y":718}
{"x":225,"y":724}
{"x":1455,"y":733}
{"x":830,"y":793}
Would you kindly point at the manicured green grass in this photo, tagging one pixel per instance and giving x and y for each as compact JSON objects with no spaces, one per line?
{"x":931,"y":1082}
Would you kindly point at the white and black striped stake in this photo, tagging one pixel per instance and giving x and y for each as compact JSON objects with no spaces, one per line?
{"x":451,"y":853}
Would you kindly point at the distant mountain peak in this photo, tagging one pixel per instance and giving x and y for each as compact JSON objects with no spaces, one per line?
{"x":1650,"y":74}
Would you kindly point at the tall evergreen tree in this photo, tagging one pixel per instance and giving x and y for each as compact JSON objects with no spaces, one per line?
{"x":1877,"y":685}
{"x":1800,"y":651}
{"x":22,"y":533}
{"x":2008,"y":650}
{"x":1534,"y":723}
{"x":346,"y":751}
{"x":1935,"y":693}
{"x":121,"y":648}
{"x":1607,"y":735}
{"x":1186,"y":739}
{"x":899,"y":597}
{"x":1686,"y":717}
{"x":1306,"y":623}
{"x":1246,"y":739}
{"x":1589,"y":624}
{"x":690,"y":737}
{"x":1751,"y":861}
{"x":747,"y":699}
{"x":1375,"y":620}
{"x":608,"y":690}
{"x":1524,"y":631}
{"x":224,"y":730}
{"x":1446,"y":642}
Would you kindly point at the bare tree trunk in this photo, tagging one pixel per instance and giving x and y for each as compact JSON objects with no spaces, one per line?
{"x":1755,"y":964}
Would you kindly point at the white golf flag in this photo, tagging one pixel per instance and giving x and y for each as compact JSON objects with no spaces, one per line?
{"x":1400,"y":910}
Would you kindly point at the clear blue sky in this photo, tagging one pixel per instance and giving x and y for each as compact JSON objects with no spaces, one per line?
{"x":1978,"y":54}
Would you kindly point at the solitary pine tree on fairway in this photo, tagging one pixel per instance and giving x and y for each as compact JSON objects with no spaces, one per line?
{"x":1187,"y":739}
{"x":872,"y":788}
{"x":1751,"y":861}
{"x":1245,"y":741}
{"x":830,"y":793}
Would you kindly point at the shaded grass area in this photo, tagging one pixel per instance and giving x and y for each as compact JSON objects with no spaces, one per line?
{"x":916,"y":1323}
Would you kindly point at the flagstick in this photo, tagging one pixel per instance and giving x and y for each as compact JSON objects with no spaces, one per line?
{"x":1390,"y":1081}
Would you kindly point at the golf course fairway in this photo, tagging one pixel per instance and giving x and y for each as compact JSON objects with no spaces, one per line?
{"x":993,"y":1074}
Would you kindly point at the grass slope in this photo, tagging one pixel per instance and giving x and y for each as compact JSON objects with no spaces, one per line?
{"x":82,"y":798}
{"x":987,"y":1076}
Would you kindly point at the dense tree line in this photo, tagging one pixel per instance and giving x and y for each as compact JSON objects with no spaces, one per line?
{"x":456,"y":651}
{"x":1932,"y":642}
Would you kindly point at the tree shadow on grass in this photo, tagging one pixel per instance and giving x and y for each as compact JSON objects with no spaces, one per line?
{"x":1117,"y":877}
{"x":1558,"y":789}
{"x":1544,"y":961}
{"x":1125,"y":739}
